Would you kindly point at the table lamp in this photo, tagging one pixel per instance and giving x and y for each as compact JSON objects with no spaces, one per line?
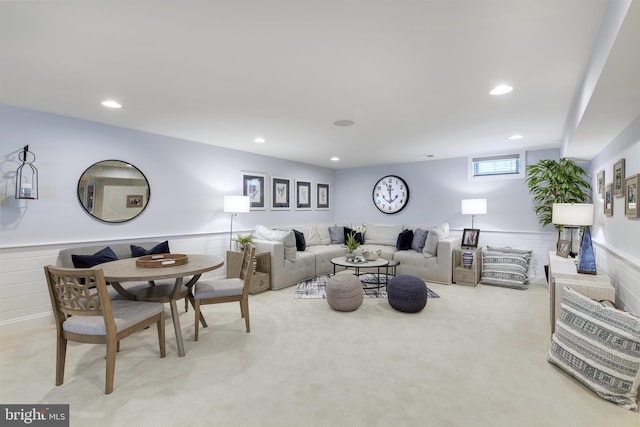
{"x":474,"y":207}
{"x":235,"y":205}
{"x":574,"y":215}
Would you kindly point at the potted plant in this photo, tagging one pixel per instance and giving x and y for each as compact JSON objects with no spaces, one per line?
{"x":551,"y":181}
{"x":242,"y":240}
{"x":351,"y":244}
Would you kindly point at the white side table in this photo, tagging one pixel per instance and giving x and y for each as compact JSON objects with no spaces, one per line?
{"x":563,"y":273}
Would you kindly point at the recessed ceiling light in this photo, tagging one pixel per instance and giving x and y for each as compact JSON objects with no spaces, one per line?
{"x":516,"y":136}
{"x":260,"y":140}
{"x":426,"y":156}
{"x":335,"y":159}
{"x":111,"y":104}
{"x":501,"y":90}
{"x":344,"y":123}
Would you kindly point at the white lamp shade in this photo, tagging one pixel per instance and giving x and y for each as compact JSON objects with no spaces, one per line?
{"x":474,"y":206}
{"x":237,"y":204}
{"x":572,"y":214}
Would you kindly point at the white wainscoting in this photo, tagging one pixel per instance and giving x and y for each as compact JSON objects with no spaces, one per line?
{"x":24,"y":299}
{"x":624,"y":271}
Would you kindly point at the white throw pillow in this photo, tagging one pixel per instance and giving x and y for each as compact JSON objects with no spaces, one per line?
{"x":445,"y":228}
{"x":433,"y":237}
{"x":311,"y":235}
{"x":287,"y":238}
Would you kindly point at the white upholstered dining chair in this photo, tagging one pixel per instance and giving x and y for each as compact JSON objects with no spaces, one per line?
{"x":84,"y":313}
{"x":234,"y":288}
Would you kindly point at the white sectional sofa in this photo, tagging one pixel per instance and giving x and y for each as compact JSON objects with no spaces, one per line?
{"x":290,"y":266}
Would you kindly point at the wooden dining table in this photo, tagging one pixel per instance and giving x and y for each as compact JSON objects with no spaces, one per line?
{"x":126,"y":270}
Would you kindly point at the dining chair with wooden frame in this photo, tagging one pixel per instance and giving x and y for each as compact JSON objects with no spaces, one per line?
{"x":84,"y":313}
{"x":234,"y":288}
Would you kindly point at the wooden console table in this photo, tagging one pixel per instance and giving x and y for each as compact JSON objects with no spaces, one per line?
{"x":563,"y":273}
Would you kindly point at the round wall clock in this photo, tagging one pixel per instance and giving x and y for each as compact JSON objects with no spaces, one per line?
{"x":390,"y":194}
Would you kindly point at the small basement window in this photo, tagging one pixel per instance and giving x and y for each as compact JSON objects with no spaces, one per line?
{"x":496,"y":167}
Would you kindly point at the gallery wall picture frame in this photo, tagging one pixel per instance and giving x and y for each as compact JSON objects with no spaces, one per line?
{"x":618,"y":178}
{"x":280,"y":194}
{"x":608,"y":200}
{"x":254,"y":186}
{"x":601,"y":183}
{"x":322,"y":196}
{"x":303,"y":195}
{"x":631,"y":197}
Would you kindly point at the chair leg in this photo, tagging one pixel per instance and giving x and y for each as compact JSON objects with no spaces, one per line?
{"x":111,"y":366}
{"x":161,"y":336}
{"x":245,"y":305}
{"x":241,"y":309}
{"x":61,"y":355}
{"x":196,"y":307}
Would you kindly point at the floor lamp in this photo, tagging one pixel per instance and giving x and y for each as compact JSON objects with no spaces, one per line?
{"x":235,"y":205}
{"x":573,"y":215}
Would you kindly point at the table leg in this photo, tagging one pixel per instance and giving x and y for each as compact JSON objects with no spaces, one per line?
{"x":176,"y":325}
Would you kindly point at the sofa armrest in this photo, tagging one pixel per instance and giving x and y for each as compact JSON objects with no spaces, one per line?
{"x":445,"y":253}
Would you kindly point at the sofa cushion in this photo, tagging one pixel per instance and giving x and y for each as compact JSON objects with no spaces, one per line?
{"x":287,"y":238}
{"x":301,"y":244}
{"x":404,"y":240}
{"x":337,"y":235}
{"x":419,"y":239}
{"x":311,"y":235}
{"x":599,"y":346}
{"x":382,"y":234}
{"x":88,"y":261}
{"x":358,"y":235}
{"x":433,"y":237}
{"x":160,"y":248}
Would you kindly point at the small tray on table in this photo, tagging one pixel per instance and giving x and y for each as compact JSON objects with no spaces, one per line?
{"x":161,"y":260}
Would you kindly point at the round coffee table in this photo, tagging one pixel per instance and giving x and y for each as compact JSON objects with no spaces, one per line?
{"x":357,"y":265}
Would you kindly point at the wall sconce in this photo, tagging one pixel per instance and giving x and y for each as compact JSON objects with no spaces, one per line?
{"x":474,"y":207}
{"x":236,"y":205}
{"x":574,"y":215}
{"x":26,"y":176}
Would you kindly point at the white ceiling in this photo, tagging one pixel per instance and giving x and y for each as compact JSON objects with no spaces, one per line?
{"x":413,"y":75}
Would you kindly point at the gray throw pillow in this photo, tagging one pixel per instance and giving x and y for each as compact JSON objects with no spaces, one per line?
{"x":337,"y":235}
{"x":419,"y":237}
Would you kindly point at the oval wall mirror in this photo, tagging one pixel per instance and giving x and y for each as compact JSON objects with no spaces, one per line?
{"x":113,"y":191}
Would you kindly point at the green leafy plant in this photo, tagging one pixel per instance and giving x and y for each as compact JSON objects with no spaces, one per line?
{"x":242,"y":240}
{"x":551,"y":181}
{"x":351,"y":243}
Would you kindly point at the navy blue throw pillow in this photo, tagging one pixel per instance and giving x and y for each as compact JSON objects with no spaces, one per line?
{"x":160,"y":248}
{"x":88,"y":261}
{"x":358,"y":236}
{"x":404,"y":240}
{"x":301,"y":243}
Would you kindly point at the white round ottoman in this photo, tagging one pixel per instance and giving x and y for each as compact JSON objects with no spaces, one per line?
{"x":344,"y":292}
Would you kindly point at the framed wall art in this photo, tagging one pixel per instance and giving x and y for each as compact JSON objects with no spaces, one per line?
{"x":134,"y":201}
{"x":631,"y":197}
{"x":618,"y":179}
{"x":601,"y":183}
{"x":608,"y":200}
{"x":253,"y":185}
{"x":280,"y":194}
{"x":322,"y":196}
{"x":303,"y":195}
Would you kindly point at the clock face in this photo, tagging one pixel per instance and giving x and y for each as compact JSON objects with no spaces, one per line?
{"x":390,"y":194}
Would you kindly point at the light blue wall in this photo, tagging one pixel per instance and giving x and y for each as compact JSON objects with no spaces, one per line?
{"x":436,"y":190}
{"x":188,"y":181}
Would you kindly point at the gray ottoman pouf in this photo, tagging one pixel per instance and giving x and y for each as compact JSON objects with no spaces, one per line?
{"x":407,"y":293}
{"x":344,"y":292}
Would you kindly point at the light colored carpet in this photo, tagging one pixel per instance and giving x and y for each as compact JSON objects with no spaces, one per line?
{"x":475,"y":357}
